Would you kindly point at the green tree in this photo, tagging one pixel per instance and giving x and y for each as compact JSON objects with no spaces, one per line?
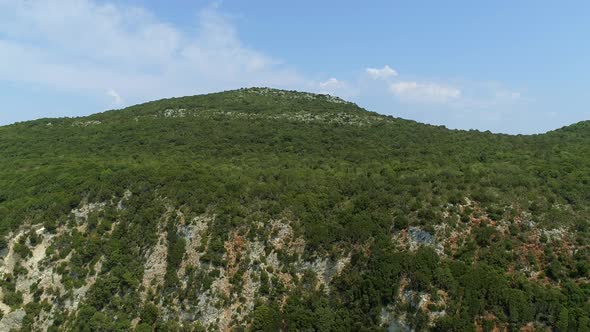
{"x":562,"y":320}
{"x":265,"y":319}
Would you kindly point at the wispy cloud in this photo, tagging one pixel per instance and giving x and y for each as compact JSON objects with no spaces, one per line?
{"x":424,"y":92}
{"x":331,"y":85}
{"x":382,"y":73}
{"x":95,"y":47}
{"x":117,"y":99}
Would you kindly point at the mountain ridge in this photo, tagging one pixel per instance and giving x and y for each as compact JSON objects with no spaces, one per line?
{"x":239,"y":95}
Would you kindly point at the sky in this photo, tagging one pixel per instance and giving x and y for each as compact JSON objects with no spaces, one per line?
{"x":517,"y":67}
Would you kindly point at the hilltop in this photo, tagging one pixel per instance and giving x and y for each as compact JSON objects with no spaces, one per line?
{"x":263,"y":209}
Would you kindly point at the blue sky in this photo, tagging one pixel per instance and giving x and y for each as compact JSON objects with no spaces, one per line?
{"x":504,"y":66}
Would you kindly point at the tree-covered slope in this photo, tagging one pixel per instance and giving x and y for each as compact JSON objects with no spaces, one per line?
{"x":262,"y":209}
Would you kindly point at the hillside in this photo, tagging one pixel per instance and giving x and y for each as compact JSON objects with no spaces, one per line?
{"x":261,"y":209}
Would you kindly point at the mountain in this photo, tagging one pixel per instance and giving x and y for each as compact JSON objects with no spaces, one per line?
{"x":265,"y":210}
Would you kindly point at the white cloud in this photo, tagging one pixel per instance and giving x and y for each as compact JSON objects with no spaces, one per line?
{"x":336,"y":87}
{"x":424,"y":92}
{"x":331,"y":84}
{"x":117,"y":100}
{"x":382,"y":73}
{"x":91,"y":47}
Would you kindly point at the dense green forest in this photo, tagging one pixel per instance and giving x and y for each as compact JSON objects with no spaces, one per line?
{"x":365,"y":222}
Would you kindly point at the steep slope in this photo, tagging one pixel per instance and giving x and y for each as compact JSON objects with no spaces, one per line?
{"x":262,"y":209}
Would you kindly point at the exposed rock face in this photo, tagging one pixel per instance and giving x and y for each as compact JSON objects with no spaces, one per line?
{"x":12,"y":320}
{"x":420,"y":237}
{"x":217,"y":295}
{"x":155,"y":265}
{"x":249,"y":265}
{"x":84,"y":211}
{"x":193,"y":233}
{"x":35,"y":275}
{"x":250,"y":259}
